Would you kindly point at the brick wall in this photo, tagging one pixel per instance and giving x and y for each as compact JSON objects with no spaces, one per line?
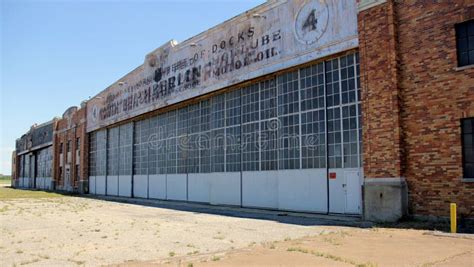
{"x":69,"y":128}
{"x":380,"y":93}
{"x":413,"y":100}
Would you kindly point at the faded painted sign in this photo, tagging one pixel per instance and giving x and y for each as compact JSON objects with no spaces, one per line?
{"x":268,"y":38}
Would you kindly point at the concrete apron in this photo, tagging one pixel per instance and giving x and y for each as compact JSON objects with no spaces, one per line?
{"x":253,"y":213}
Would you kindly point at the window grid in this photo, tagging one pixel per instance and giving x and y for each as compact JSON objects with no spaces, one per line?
{"x":280,"y":123}
{"x":333,"y":113}
{"x":334,"y":137}
{"x":313,"y":116}
{"x":288,"y":121}
{"x":171,"y":151}
{"x":268,"y":126}
{"x":232,"y":131}
{"x":101,"y":167}
{"x":204,"y":139}
{"x":157,"y":145}
{"x":313,"y":134}
{"x":93,"y":154}
{"x":125,"y":149}
{"x":349,"y":136}
{"x":113,"y":151}
{"x":218,"y":133}
{"x":347,"y":80}
{"x":250,"y":128}
{"x":141,"y":155}
{"x":194,"y":119}
{"x":182,"y":140}
{"x":232,"y":152}
{"x":153,"y":140}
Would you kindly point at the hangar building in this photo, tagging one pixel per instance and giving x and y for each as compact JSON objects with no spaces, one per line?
{"x":337,"y":107}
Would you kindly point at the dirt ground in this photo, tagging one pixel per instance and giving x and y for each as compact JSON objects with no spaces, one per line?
{"x":41,"y":229}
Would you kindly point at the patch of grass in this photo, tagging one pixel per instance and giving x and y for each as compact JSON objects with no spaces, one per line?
{"x":190,"y":265}
{"x":171,"y":254}
{"x":332,"y":240}
{"x":4,"y":209}
{"x":77,"y":262}
{"x":46,"y":257}
{"x":193,"y":252}
{"x":11,"y":193}
{"x":331,"y":257}
{"x":302,"y":250}
{"x":368,"y":264}
{"x":5,"y":179}
{"x":29,"y":262}
{"x":215,"y":258}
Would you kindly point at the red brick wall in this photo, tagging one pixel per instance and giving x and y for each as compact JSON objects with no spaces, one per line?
{"x":70,"y":129}
{"x":432,"y":96}
{"x":380,"y":94}
{"x":435,"y":97}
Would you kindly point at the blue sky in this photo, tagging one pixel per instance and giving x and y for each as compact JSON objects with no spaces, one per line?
{"x":55,"y":54}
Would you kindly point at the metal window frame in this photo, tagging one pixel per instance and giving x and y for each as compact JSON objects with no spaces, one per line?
{"x":463,"y":147}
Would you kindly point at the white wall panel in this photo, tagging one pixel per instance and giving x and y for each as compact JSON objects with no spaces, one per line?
{"x":260,"y":189}
{"x":302,"y":190}
{"x":92,"y":185}
{"x":199,"y":187}
{"x":176,"y":186}
{"x":157,"y":186}
{"x":47,"y":183}
{"x":225,"y":188}
{"x":112,"y":185}
{"x":100,"y":185}
{"x":39,"y":183}
{"x":140,"y":186}
{"x":125,"y":185}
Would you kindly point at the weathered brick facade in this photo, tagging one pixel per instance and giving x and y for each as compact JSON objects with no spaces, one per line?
{"x":71,"y":151}
{"x":414,"y":97}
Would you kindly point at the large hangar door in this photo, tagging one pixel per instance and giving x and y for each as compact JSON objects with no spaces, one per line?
{"x":272,"y":144}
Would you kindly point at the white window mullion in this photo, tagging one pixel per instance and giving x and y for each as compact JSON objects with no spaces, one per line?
{"x":326,"y":156}
{"x":340,"y":111}
{"x":225,"y":132}
{"x":299,"y":122}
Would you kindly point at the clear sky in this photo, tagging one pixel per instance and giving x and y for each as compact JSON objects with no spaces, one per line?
{"x":55,"y":54}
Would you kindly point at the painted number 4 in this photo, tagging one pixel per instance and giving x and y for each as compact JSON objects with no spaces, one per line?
{"x":311,"y":21}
